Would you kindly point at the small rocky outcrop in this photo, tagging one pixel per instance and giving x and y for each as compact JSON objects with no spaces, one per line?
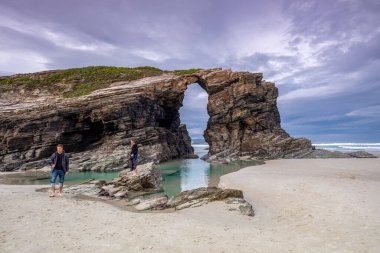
{"x":241,"y":205}
{"x":361,"y":154}
{"x":198,"y":197}
{"x":157,"y":203}
{"x":203,"y":194}
{"x":148,"y":178}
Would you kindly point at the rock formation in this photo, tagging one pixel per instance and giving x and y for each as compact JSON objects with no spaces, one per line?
{"x":96,"y":128}
{"x":148,"y":178}
{"x":198,"y":197}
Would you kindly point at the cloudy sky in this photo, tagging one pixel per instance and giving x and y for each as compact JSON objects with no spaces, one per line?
{"x":324,"y":56}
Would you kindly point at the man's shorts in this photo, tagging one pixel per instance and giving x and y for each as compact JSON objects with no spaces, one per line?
{"x":54,"y":174}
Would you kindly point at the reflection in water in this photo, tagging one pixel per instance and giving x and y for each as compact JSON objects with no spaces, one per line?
{"x":187,"y":174}
{"x":179,"y":175}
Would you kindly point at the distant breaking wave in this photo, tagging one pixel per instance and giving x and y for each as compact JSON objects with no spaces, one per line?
{"x":339,"y":146}
{"x":348,"y":146}
{"x":199,"y":145}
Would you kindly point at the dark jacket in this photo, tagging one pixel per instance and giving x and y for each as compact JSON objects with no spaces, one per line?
{"x":65,"y":160}
{"x":134,"y":152}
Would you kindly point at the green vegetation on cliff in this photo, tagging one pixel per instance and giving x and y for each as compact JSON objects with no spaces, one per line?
{"x":77,"y":82}
{"x":185,"y":71}
{"x":84,"y":80}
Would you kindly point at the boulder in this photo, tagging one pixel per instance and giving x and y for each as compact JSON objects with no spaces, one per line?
{"x":148,"y":177}
{"x":240,"y":205}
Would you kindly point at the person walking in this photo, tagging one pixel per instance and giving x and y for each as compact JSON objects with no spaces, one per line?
{"x":59,"y":162}
{"x":133,"y":156}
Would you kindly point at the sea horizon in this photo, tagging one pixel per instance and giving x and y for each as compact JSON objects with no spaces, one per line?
{"x":334,"y":146}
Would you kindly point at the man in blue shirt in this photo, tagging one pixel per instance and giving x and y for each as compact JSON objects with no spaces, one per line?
{"x":59,"y":162}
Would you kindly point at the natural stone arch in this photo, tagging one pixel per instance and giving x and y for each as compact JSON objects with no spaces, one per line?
{"x":244,"y":120}
{"x":243,"y":115}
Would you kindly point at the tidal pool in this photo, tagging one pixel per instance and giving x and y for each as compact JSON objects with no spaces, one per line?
{"x":178,"y":175}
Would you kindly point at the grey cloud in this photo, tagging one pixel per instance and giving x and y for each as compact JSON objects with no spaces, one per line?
{"x":326,"y":64}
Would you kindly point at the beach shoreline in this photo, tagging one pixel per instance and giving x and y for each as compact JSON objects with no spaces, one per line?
{"x":318,"y":205}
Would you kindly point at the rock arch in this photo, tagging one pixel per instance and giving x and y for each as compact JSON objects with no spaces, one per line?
{"x":243,"y":115}
{"x":244,"y":121}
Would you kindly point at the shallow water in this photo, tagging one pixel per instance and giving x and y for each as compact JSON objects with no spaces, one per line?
{"x":179,"y":175}
{"x":187,"y":174}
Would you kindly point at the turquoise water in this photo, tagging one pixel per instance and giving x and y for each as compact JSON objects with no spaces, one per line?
{"x":187,"y":174}
{"x":178,"y":175}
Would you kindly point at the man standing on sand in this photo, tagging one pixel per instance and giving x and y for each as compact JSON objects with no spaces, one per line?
{"x":59,"y":162}
{"x":133,"y":156}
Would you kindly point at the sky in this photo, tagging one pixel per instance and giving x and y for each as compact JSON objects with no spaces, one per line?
{"x":324,"y":56}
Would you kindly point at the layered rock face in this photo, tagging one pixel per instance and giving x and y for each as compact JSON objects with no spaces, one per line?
{"x":96,"y":128}
{"x":244,"y":119}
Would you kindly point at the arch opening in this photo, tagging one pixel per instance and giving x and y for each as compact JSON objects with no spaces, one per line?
{"x":194,"y":114}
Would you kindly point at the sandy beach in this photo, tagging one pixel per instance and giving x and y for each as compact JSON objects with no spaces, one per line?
{"x":301,"y":205}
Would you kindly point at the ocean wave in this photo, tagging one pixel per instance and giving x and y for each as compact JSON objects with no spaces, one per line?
{"x":347,"y":144}
{"x":360,"y":147}
{"x":199,"y":145}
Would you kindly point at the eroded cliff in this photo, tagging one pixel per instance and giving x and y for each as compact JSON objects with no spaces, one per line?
{"x":95,"y":126}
